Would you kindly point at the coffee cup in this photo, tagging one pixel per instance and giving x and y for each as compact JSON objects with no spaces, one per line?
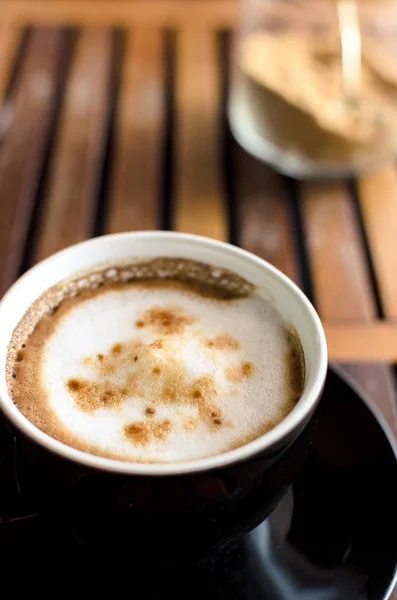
{"x":194,"y":504}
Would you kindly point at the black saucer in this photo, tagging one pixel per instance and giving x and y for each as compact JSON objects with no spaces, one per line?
{"x":333,"y":536}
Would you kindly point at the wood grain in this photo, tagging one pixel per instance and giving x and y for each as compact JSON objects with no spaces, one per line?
{"x":339,"y":271}
{"x":22,"y":150}
{"x":68,"y":209}
{"x":374,"y":341}
{"x":199,"y":201}
{"x":164,"y":13}
{"x":378,"y":199}
{"x":10,"y":38}
{"x":263,"y":221}
{"x":341,"y":280}
{"x":135,"y":192}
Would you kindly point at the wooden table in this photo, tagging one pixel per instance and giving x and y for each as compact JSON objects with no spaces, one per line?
{"x":113,"y":119}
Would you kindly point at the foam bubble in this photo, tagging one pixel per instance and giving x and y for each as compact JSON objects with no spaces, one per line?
{"x":157,"y":374}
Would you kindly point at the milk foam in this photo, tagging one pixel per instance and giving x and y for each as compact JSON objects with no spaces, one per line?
{"x":240,"y":345}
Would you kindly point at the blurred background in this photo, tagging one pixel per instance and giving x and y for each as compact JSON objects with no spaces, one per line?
{"x":122,"y":115}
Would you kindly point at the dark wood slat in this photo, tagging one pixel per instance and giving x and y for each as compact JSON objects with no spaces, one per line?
{"x":199,"y":199}
{"x":262,"y":215}
{"x":341,"y":279}
{"x":135,"y":191}
{"x":68,"y":209}
{"x":10,"y":37}
{"x":21,"y":154}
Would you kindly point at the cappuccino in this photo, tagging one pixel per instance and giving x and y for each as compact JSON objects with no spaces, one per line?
{"x":161,"y":360}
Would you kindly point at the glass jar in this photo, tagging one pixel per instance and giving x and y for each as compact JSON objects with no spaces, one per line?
{"x":314,"y":84}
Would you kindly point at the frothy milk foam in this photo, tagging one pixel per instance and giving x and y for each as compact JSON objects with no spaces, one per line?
{"x":156,"y":371}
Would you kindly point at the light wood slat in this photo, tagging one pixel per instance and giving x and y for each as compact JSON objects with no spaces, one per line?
{"x":68,"y":209}
{"x":164,"y":13}
{"x":375,"y":341}
{"x":134,"y":199}
{"x":341,"y":283}
{"x":199,"y":202}
{"x":10,"y":38}
{"x":378,"y":198}
{"x":341,"y":280}
{"x":262,"y":215}
{"x":21,"y":153}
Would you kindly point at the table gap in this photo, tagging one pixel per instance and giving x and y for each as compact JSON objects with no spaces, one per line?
{"x":227,"y":160}
{"x":352,"y":186}
{"x":168,"y":141}
{"x":62,"y":72}
{"x":17,"y":63}
{"x":292,"y":191}
{"x":105,"y":162}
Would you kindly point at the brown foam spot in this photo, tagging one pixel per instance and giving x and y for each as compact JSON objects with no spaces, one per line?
{"x":189,"y":422}
{"x":150,"y":411}
{"x":158,"y":378}
{"x":118,"y":359}
{"x":157,"y":345}
{"x":142,"y":433}
{"x":204,"y":394}
{"x":238,"y":373}
{"x":73,"y":385}
{"x":91,"y":395}
{"x":222,"y":342}
{"x":166,"y":320}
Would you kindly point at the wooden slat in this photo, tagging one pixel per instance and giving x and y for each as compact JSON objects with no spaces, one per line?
{"x":10,"y":37}
{"x":339,"y":271}
{"x":375,"y":341}
{"x":341,"y":279}
{"x":164,"y":13}
{"x":378,"y":198}
{"x":199,"y":202}
{"x":134,"y":198}
{"x":21,"y":154}
{"x":264,"y":226}
{"x":68,"y":209}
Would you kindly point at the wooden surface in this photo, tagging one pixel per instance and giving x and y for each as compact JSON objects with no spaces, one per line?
{"x":129,"y":132}
{"x":107,"y":129}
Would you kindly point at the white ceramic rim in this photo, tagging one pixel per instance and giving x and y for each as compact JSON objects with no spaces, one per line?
{"x":292,"y":421}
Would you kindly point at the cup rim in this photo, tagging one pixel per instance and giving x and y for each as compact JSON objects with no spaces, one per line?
{"x":293,"y":420}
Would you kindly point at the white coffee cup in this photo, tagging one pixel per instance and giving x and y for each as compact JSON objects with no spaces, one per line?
{"x":290,"y":301}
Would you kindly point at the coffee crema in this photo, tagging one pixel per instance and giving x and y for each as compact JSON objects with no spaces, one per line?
{"x":160,"y":360}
